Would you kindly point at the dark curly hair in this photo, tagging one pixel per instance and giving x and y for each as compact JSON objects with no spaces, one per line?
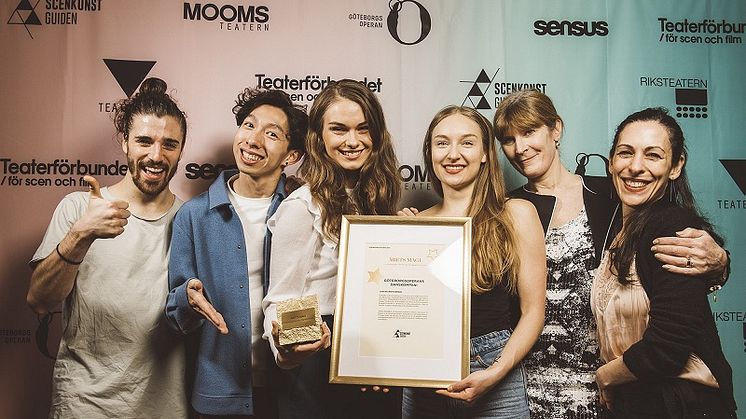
{"x":250,"y":99}
{"x":152,"y":99}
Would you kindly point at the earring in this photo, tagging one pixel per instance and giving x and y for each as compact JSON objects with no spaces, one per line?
{"x":556,"y":143}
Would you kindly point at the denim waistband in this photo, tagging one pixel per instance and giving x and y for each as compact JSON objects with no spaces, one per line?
{"x":489,"y":341}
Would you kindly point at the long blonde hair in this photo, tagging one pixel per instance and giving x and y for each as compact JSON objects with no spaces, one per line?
{"x":378,"y":188}
{"x":494,"y":249}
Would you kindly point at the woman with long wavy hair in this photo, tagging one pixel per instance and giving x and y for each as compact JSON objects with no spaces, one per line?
{"x":350,"y":168}
{"x":462,"y":163}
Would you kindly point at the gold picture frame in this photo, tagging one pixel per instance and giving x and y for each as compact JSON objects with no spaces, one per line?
{"x":403,"y":301}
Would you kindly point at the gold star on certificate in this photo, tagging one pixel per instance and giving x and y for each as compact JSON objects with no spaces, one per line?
{"x":374,"y":276}
{"x":432,"y":254}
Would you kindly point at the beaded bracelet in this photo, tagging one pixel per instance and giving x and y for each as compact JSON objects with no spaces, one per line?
{"x":71,"y":262}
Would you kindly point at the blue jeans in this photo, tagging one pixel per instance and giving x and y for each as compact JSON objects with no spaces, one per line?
{"x":508,"y":399}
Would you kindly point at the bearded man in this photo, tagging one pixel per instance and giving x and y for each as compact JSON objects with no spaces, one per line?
{"x":105,"y":258}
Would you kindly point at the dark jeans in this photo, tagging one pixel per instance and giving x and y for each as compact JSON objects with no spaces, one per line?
{"x":304,"y":392}
{"x":675,"y":399}
{"x":265,"y":407}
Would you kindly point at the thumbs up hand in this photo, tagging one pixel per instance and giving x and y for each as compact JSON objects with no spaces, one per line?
{"x":102,"y":218}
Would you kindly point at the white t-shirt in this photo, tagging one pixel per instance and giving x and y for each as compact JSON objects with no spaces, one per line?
{"x":253,"y":215}
{"x":117,"y":357}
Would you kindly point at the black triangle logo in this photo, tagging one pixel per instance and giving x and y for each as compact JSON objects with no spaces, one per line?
{"x":32,"y":19}
{"x":25,"y":15}
{"x":24,"y":5}
{"x":483,"y":77}
{"x":475,"y":91}
{"x":737,"y":171}
{"x":483,"y":104}
{"x":129,"y":73}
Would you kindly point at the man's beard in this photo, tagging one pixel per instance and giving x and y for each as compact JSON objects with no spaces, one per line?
{"x":147,"y":187}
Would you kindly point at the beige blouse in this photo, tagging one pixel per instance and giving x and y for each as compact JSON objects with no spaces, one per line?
{"x":621,"y":312}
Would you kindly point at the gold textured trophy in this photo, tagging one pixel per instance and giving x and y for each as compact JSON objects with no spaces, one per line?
{"x":299,"y":320}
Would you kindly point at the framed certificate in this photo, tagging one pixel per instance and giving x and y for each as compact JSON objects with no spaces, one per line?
{"x":403,"y":301}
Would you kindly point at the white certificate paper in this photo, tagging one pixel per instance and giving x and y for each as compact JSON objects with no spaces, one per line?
{"x":402,"y":298}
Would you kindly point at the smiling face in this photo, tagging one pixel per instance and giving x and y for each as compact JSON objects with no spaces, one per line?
{"x":153,"y":149}
{"x":642,"y":164}
{"x":260,"y":147}
{"x":457,"y":151}
{"x":346,"y":137}
{"x":533,"y":152}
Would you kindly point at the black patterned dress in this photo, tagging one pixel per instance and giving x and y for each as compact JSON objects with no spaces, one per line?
{"x":561,"y":368}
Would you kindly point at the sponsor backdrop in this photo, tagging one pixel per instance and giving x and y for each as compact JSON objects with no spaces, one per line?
{"x":65,"y":64}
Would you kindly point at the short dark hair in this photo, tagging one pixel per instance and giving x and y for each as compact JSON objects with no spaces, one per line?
{"x":151,"y":99}
{"x":250,"y":99}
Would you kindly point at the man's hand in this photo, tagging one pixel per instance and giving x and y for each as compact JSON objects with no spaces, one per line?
{"x":196,"y":297}
{"x":54,"y":277}
{"x":102,"y":219}
{"x":691,"y":252}
{"x":290,"y":356}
